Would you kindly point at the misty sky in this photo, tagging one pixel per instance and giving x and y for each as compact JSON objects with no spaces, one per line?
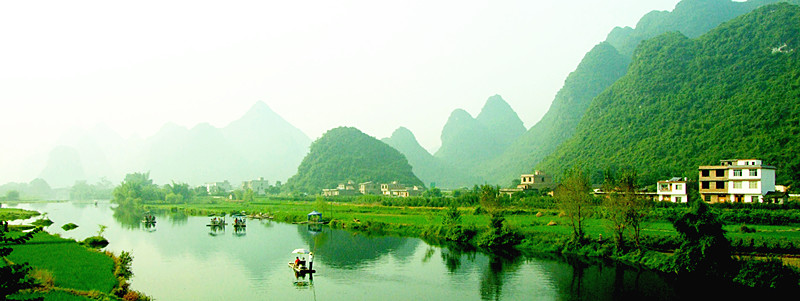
{"x":375,"y":65}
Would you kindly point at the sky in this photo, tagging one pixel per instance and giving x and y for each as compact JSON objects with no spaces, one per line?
{"x":374,"y":65}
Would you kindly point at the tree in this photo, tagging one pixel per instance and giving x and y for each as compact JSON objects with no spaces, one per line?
{"x":249,"y":195}
{"x":574,"y":199}
{"x":624,"y":206}
{"x":14,"y":277}
{"x":704,"y":253}
{"x":489,"y":200}
{"x":12,"y":195}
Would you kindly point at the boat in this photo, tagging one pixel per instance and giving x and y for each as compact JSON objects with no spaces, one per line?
{"x":300,"y":266}
{"x":239,"y":221}
{"x":149,"y":219}
{"x":217,"y":222}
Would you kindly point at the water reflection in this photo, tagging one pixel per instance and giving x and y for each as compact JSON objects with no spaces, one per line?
{"x":342,"y":249}
{"x":188,"y":260}
{"x":129,"y":216}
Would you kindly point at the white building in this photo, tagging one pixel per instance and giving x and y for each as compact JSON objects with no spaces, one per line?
{"x":259,"y":186}
{"x":672,"y":190}
{"x":738,"y":180}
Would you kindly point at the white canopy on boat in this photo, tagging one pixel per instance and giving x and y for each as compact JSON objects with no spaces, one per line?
{"x":301,"y":251}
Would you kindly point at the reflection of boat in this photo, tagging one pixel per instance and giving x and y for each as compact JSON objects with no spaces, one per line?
{"x":217,"y":222}
{"x":239,"y":221}
{"x":149,"y":219}
{"x":299,"y":266}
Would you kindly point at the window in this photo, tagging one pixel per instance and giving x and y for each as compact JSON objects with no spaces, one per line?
{"x":664,"y":187}
{"x":754,"y":172}
{"x":705,"y":185}
{"x":678,"y":187}
{"x":720,"y":172}
{"x":754,"y":199}
{"x":719,"y":185}
{"x":753,"y":184}
{"x":737,"y":172}
{"x":737,"y":185}
{"x":704,"y":173}
{"x":677,"y":199}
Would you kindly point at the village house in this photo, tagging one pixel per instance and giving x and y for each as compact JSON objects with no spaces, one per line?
{"x":538,"y":180}
{"x":218,"y":187}
{"x":672,"y":190}
{"x":737,"y":180}
{"x":369,"y":188}
{"x":259,"y":186}
{"x":344,"y":189}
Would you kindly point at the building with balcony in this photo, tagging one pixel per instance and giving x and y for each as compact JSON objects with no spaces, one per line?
{"x":737,"y":180}
{"x":672,"y":190}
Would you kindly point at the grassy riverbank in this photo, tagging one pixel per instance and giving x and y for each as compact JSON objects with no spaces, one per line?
{"x":541,"y":227}
{"x":64,"y":269}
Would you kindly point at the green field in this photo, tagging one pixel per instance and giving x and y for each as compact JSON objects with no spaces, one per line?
{"x":10,"y":214}
{"x":74,"y":270}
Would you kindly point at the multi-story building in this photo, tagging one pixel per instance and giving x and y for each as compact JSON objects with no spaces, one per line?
{"x":538,"y":180}
{"x":738,"y":180}
{"x":672,"y":190}
{"x":259,"y":186}
{"x":218,"y":187}
{"x":369,"y":188}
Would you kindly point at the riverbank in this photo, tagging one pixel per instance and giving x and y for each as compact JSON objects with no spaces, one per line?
{"x":64,"y":269}
{"x":542,"y":229}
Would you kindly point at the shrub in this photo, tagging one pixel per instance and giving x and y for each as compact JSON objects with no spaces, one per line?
{"x":96,"y":242}
{"x":770,"y":273}
{"x":69,"y":226}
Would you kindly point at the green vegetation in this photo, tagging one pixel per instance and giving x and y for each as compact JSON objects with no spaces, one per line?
{"x":69,"y":226}
{"x":467,"y":141}
{"x":63,"y":269}
{"x":10,"y":214}
{"x":346,"y":154}
{"x":683,"y":103}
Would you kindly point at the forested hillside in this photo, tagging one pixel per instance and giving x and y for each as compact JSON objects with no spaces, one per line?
{"x":467,"y":141}
{"x":347,"y":154}
{"x":601,"y":67}
{"x":429,"y":169}
{"x":731,"y":93}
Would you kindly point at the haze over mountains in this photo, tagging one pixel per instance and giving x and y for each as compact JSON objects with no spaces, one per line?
{"x":259,"y":144}
{"x":607,"y":114}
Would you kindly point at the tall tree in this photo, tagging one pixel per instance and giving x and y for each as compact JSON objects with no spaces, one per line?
{"x":573,"y":197}
{"x":704,"y":252}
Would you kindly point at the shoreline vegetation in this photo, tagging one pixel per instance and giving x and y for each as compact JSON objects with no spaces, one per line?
{"x":38,"y":265}
{"x":762,"y":241}
{"x":742,"y":248}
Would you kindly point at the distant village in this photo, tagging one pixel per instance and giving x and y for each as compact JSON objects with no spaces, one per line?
{"x":732,"y":181}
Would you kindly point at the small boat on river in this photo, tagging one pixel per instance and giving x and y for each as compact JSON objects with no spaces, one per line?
{"x":301,"y":266}
{"x":239,"y":221}
{"x":217,"y":222}
{"x":149,"y":219}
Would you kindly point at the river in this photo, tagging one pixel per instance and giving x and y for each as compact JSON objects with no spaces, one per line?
{"x":183,"y":259}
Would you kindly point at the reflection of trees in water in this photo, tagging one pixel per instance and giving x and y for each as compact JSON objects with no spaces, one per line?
{"x":598,"y":280}
{"x":178,"y":217}
{"x":130,"y":217}
{"x":342,"y":249}
{"x":498,"y":267}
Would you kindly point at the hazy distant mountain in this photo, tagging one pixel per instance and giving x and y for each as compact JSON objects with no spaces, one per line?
{"x":63,"y":167}
{"x":427,"y":167}
{"x":731,"y":93}
{"x":467,"y":141}
{"x":602,"y":66}
{"x":259,"y":144}
{"x":347,"y":154}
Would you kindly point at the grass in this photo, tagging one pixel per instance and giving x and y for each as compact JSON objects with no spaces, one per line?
{"x":71,"y":265}
{"x":10,"y":214}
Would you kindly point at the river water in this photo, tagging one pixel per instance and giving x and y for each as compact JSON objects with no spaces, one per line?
{"x":181,"y":258}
